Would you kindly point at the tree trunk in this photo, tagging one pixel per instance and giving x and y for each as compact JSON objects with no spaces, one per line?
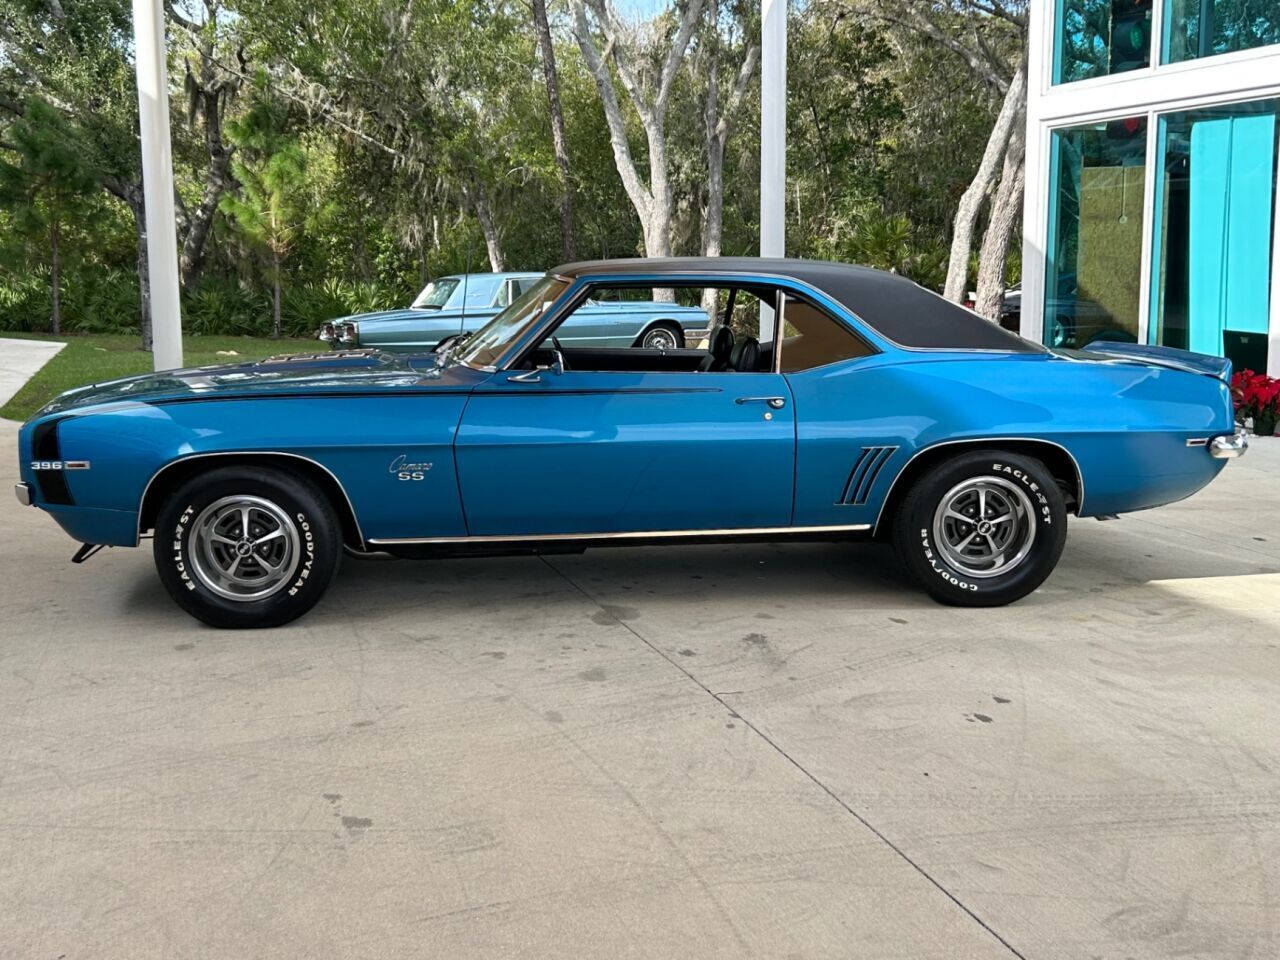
{"x":1012,"y":113}
{"x":568,"y":239}
{"x":276,"y":323}
{"x":1005,"y":212}
{"x":492,"y":237}
{"x":653,"y":204}
{"x":55,"y":271}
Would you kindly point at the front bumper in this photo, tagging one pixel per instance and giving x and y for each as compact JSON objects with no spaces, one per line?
{"x":23,"y":492}
{"x":1229,"y":448}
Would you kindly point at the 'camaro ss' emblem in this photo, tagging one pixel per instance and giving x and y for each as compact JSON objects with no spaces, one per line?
{"x":404,"y":470}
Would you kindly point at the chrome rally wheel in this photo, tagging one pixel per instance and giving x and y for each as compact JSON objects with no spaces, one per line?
{"x":247,"y":545}
{"x":984,"y":527}
{"x":244,"y":547}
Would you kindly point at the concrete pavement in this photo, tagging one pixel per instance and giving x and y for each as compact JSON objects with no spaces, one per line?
{"x":769,"y":751}
{"x":19,"y":362}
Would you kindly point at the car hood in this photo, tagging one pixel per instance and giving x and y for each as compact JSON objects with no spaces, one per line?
{"x":404,"y":313}
{"x":304,"y":375}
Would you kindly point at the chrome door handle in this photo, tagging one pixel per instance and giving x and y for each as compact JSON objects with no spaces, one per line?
{"x":776,"y":402}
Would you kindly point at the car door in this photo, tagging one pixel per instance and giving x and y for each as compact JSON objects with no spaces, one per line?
{"x":580,"y":452}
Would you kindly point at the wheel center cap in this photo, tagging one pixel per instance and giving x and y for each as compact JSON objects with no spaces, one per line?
{"x":984,"y":527}
{"x":244,"y":548}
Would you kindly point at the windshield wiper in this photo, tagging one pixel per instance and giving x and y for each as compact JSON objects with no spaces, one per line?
{"x":445,"y":355}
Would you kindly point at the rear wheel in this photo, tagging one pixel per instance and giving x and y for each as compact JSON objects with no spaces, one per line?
{"x":247,"y":546}
{"x":982,"y":529}
{"x":662,"y":336}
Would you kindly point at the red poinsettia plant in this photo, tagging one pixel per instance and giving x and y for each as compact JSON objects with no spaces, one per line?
{"x":1258,"y":396}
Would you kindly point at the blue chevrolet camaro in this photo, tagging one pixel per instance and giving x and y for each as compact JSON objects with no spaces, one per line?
{"x":830,"y":401}
{"x":464,"y":303}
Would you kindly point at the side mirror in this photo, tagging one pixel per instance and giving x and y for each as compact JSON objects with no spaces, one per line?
{"x":557,"y":364}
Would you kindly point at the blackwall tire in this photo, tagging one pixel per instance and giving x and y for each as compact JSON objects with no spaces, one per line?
{"x":982,"y":529}
{"x":245,"y":547}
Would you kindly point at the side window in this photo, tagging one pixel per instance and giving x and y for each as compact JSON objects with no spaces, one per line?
{"x":813,"y":338}
{"x":503,"y":299}
{"x":674,"y":328}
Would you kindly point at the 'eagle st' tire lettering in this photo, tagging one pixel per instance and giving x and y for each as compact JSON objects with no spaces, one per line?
{"x":250,"y":546}
{"x":983,"y":528}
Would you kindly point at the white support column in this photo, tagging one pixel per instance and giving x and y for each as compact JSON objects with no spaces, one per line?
{"x":773,"y":139}
{"x":157,"y":182}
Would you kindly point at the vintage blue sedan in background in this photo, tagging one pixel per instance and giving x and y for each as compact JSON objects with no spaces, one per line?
{"x":464,"y":303}
{"x":829,"y":402}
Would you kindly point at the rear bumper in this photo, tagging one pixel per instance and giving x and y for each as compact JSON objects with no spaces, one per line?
{"x":1229,"y":448}
{"x":23,"y":492}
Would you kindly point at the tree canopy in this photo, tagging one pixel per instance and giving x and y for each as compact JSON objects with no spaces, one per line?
{"x":332,"y":157}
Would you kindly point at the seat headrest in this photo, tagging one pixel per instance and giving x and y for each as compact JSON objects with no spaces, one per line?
{"x":720,"y":345}
{"x":745,"y":357}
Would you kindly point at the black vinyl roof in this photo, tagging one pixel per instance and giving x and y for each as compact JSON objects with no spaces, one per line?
{"x":897,"y":308}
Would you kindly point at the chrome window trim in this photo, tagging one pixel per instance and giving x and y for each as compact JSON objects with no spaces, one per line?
{"x":355,"y":517}
{"x":971,"y":441}
{"x":621,"y":535}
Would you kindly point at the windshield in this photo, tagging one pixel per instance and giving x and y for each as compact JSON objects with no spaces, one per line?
{"x":436,"y":294}
{"x":491,"y":341}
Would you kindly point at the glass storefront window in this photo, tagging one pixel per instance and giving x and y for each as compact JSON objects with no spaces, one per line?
{"x":1214,"y":229}
{"x":1204,"y":28}
{"x":1098,"y":38}
{"x":1093,"y":265}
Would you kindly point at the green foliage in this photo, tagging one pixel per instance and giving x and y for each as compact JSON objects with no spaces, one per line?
{"x":366,"y":130}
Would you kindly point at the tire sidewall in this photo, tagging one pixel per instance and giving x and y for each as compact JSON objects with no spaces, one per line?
{"x":920,"y":551}
{"x":676,"y":335}
{"x":320,"y":546}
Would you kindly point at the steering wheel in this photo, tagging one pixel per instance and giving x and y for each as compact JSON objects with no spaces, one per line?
{"x":555,"y":342}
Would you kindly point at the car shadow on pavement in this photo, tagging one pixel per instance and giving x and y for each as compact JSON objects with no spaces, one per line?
{"x":756,"y":576}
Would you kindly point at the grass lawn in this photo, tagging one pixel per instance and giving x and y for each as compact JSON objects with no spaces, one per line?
{"x":92,"y":358}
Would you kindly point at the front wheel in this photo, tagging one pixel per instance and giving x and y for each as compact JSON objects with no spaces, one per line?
{"x":247,"y":546}
{"x":982,"y":529}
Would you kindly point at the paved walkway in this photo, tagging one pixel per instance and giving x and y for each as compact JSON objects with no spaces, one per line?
{"x":19,"y":362}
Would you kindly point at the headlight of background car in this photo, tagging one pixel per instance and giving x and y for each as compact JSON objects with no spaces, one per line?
{"x":347,"y":332}
{"x":327,"y":333}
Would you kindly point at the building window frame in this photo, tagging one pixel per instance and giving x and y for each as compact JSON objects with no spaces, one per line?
{"x":1038,"y":216}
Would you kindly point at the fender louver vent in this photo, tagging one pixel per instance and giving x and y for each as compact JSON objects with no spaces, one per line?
{"x":863,"y":475}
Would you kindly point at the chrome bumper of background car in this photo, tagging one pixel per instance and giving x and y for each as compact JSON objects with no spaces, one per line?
{"x":23,"y":492}
{"x":1229,"y":448}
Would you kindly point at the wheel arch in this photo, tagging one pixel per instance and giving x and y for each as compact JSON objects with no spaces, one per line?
{"x":670,"y":323}
{"x":176,"y":472}
{"x":1058,"y":460}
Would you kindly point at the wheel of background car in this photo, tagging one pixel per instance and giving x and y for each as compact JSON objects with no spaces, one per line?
{"x":247,"y":546}
{"x":1111,"y":335}
{"x":662,"y":336}
{"x":1058,"y":333}
{"x":982,"y":529}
